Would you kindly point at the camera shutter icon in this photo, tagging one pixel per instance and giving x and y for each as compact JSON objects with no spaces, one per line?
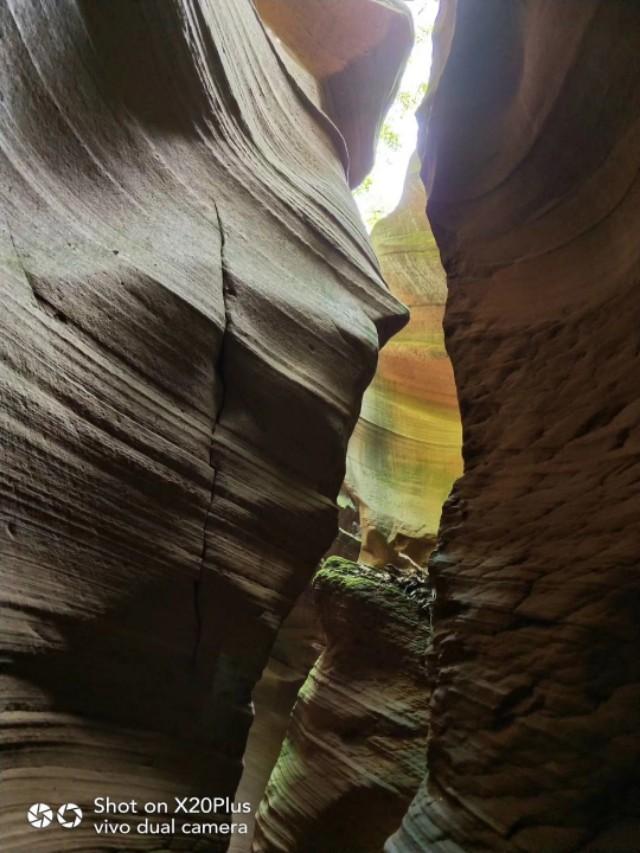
{"x":69,"y":815}
{"x":40,"y":815}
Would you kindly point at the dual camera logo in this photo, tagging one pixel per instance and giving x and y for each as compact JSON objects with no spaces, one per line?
{"x":40,"y":815}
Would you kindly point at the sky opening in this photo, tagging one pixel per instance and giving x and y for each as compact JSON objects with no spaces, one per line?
{"x":380,"y":191}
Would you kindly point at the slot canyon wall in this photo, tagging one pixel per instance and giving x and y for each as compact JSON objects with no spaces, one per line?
{"x":405,"y":450}
{"x":532,"y":165}
{"x":355,"y":749}
{"x":530,"y":148}
{"x":191,"y":313}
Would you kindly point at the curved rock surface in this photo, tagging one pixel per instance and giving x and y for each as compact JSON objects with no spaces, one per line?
{"x":298,"y":645}
{"x":405,"y":450}
{"x":356,"y":51}
{"x":403,"y":457}
{"x":532,"y":163}
{"x":355,"y":749}
{"x":191,"y":312}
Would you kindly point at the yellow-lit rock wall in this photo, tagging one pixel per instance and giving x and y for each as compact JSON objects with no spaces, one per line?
{"x":405,"y":452}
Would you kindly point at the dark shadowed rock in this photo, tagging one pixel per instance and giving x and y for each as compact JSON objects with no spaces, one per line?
{"x":355,"y":749}
{"x":532,"y":164}
{"x":191,"y":312}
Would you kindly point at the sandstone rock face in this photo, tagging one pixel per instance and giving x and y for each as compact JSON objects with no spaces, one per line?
{"x":532,"y":168}
{"x":355,"y":51}
{"x":355,"y":749}
{"x":191,"y":312}
{"x":405,"y":450}
{"x":298,"y":645}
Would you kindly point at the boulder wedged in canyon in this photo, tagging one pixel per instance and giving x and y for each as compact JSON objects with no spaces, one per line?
{"x":532,"y":166}
{"x":404,"y":454}
{"x":191,"y":312}
{"x":355,"y":749}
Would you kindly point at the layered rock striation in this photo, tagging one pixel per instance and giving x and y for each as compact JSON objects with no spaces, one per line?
{"x":298,"y":644}
{"x":355,"y":748}
{"x":402,"y":459}
{"x":191,"y":312}
{"x":405,"y":450}
{"x":532,"y":165}
{"x":354,"y":52}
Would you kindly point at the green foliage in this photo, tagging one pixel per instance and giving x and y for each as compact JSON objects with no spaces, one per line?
{"x":390,"y":137}
{"x":378,"y":193}
{"x":365,"y":186}
{"x":410,"y":101}
{"x":423,"y":33}
{"x":407,"y":100}
{"x":340,"y":564}
{"x":340,"y":572}
{"x":373,"y":216}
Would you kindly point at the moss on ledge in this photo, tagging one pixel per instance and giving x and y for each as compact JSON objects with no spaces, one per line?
{"x":359,"y":728}
{"x":408,"y":593}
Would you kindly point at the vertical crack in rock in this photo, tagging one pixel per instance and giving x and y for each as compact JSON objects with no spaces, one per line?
{"x":128,"y":131}
{"x":219,"y":375}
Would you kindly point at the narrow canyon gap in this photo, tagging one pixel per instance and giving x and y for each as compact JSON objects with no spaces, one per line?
{"x":355,"y":750}
{"x":530,"y":150}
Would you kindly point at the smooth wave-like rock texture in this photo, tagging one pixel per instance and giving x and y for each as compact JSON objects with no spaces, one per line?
{"x":191,"y":313}
{"x":405,"y":450}
{"x":355,"y":50}
{"x":298,"y":645}
{"x":532,"y":166}
{"x":355,"y":749}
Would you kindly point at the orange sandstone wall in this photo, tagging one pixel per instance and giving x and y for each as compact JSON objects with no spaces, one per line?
{"x":405,"y":453}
